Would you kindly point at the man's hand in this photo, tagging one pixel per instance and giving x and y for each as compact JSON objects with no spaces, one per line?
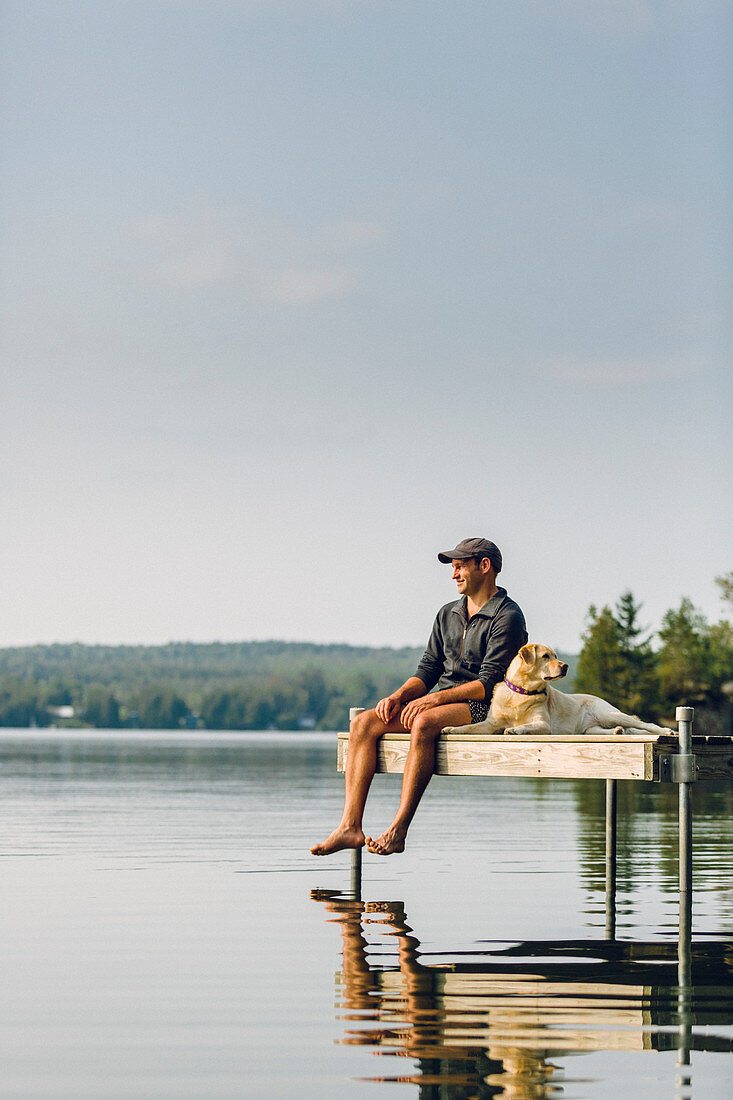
{"x":417,"y":706}
{"x":387,"y":708}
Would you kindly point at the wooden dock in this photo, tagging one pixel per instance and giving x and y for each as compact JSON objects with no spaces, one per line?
{"x":646,"y":757}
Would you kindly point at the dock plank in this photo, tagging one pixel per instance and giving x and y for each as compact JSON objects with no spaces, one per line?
{"x":561,"y":758}
{"x":608,"y":756}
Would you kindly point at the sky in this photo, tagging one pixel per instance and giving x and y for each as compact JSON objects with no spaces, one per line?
{"x":298,"y":293}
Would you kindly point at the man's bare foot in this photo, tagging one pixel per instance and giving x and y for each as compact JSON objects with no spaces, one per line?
{"x":389,"y":843}
{"x":339,"y":839}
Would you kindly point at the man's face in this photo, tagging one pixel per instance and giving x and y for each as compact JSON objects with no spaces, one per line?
{"x":468,"y":575}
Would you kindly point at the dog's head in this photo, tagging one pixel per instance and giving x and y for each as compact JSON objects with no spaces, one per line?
{"x":535,"y":664}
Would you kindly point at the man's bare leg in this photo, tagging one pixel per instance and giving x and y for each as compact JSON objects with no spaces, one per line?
{"x":419,"y":767}
{"x":361,"y":764}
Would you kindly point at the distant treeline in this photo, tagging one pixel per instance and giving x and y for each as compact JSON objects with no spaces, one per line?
{"x":289,"y":685}
{"x":242,"y":685}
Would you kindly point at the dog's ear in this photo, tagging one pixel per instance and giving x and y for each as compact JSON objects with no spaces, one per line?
{"x":527,"y":654}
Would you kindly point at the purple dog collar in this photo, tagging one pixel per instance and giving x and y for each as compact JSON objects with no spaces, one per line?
{"x":521,"y":691}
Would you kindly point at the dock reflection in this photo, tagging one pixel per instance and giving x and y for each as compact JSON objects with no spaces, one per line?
{"x":502,"y":1019}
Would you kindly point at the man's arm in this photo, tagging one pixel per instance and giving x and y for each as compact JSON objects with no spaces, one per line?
{"x":508,"y":635}
{"x":461,"y":693}
{"x":388,"y":707}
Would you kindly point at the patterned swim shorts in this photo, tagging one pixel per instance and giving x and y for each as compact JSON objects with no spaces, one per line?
{"x":479,"y":710}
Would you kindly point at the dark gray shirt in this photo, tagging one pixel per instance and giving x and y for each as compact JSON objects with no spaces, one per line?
{"x":481,"y":648}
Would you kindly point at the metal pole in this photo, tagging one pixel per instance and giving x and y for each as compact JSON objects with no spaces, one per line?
{"x":686,"y":773}
{"x":611,"y":813}
{"x":686,"y":776}
{"x":355,"y":885}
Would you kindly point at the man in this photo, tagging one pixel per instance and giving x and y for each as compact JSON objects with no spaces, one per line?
{"x":472,"y":644}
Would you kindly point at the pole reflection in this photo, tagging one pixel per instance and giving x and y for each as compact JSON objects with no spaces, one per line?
{"x":505,"y":1018}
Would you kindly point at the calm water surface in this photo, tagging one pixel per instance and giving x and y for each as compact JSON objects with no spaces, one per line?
{"x":166,"y":933}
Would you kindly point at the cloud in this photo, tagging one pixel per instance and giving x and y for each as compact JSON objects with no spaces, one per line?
{"x":188,"y":251}
{"x":267,"y":260}
{"x":609,"y":372}
{"x":301,"y":285}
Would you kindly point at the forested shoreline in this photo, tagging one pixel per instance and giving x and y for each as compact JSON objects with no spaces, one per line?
{"x":237,"y":685}
{"x":293,"y":685}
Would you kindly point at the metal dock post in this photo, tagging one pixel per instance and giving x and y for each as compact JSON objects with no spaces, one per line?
{"x":611,"y":814}
{"x":685,"y":776}
{"x":355,"y":884}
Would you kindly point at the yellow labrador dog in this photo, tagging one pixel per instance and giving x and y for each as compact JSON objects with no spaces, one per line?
{"x":526,"y":703}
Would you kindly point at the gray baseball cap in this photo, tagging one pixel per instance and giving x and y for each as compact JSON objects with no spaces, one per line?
{"x":474,"y":548}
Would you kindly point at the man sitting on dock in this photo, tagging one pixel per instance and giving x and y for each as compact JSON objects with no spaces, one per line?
{"x":472,"y":643}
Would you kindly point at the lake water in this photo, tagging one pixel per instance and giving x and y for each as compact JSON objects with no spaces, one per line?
{"x":166,"y":933}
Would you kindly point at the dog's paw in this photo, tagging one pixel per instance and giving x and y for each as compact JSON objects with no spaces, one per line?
{"x":517,"y":731}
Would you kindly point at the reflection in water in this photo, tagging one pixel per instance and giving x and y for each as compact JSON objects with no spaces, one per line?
{"x":497,"y":1021}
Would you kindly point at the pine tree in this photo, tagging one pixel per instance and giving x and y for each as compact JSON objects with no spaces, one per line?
{"x":685,"y":666}
{"x":616,"y":661}
{"x":601,"y":668}
{"x":640,"y":690}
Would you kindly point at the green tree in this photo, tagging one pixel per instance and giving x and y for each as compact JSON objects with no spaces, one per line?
{"x":721,"y":637}
{"x":721,"y":654}
{"x":725,"y":584}
{"x":215,"y":710}
{"x":101,"y":708}
{"x":602,"y":669}
{"x":19,"y":703}
{"x":57,"y":693}
{"x":159,"y":708}
{"x":234,"y":708}
{"x":317,"y":692}
{"x":617,"y":661}
{"x":686,"y":673}
{"x":639,"y":689}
